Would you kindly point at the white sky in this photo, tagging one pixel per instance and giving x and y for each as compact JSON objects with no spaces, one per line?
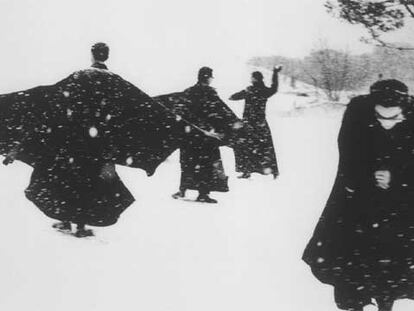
{"x":154,"y":41}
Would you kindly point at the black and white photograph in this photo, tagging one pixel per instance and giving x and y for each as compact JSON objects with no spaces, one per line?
{"x":222,"y":155}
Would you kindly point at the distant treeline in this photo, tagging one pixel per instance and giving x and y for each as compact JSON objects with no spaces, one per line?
{"x":336,"y":71}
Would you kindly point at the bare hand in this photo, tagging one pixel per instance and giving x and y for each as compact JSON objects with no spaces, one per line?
{"x":383,"y":179}
{"x":10,"y":157}
{"x":278,"y":68}
{"x":214,"y":135}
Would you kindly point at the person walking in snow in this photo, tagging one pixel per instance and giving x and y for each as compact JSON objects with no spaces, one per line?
{"x":105,"y":178}
{"x":258,"y":153}
{"x":363,"y":244}
{"x":74,"y":132}
{"x":211,"y":123}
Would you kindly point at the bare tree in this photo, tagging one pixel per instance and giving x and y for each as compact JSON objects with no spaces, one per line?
{"x":376,"y":16}
{"x":329,"y":70}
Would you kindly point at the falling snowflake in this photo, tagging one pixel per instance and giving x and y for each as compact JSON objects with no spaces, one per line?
{"x":93,"y":132}
{"x":267,"y":171}
{"x":237,"y":125}
{"x":129,"y":161}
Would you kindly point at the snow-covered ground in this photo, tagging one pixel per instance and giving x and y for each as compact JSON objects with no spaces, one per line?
{"x":243,"y":254}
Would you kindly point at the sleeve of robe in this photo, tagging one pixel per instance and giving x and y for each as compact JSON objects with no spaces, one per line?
{"x":239,"y":95}
{"x":353,"y":166}
{"x":270,"y":91}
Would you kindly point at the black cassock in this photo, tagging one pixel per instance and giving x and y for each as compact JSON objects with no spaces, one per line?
{"x":74,"y":132}
{"x":363,"y":244}
{"x":204,"y":111}
{"x":257,"y":155}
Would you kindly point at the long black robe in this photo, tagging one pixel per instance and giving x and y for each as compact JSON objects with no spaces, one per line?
{"x":201,"y":164}
{"x":363,"y":244}
{"x":74,"y":132}
{"x":257,"y":155}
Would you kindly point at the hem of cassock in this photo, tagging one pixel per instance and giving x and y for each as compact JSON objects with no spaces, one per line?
{"x":206,"y":188}
{"x":83,"y":218}
{"x":257,"y":171}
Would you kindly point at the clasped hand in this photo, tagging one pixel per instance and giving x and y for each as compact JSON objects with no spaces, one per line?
{"x":383,"y":179}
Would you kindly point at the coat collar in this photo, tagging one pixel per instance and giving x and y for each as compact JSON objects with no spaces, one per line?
{"x":99,"y":65}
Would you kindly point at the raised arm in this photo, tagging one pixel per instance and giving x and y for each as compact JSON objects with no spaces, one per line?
{"x":275,"y":82}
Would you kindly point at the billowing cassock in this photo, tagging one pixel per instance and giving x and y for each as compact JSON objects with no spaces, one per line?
{"x":74,"y":132}
{"x":204,"y":111}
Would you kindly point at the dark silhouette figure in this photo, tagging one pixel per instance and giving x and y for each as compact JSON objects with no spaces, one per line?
{"x":210,"y":124}
{"x":201,"y":165}
{"x":74,"y":132}
{"x":257,"y":155}
{"x":363,"y":244}
{"x":99,"y":53}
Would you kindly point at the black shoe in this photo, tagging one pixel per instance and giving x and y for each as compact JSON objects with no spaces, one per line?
{"x":178,"y":195}
{"x":83,"y":233}
{"x":62,"y":226}
{"x":205,"y":199}
{"x":275,"y":176}
{"x":244,"y":175}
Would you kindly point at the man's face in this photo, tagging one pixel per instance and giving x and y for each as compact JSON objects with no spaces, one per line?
{"x":388,"y":117}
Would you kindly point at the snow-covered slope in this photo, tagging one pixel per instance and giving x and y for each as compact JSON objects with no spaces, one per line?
{"x":242,"y":254}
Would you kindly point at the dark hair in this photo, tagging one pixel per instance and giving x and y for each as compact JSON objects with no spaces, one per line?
{"x":389,"y":86}
{"x":204,"y":74}
{"x":100,"y":51}
{"x":389,"y":93}
{"x":258,"y":76}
